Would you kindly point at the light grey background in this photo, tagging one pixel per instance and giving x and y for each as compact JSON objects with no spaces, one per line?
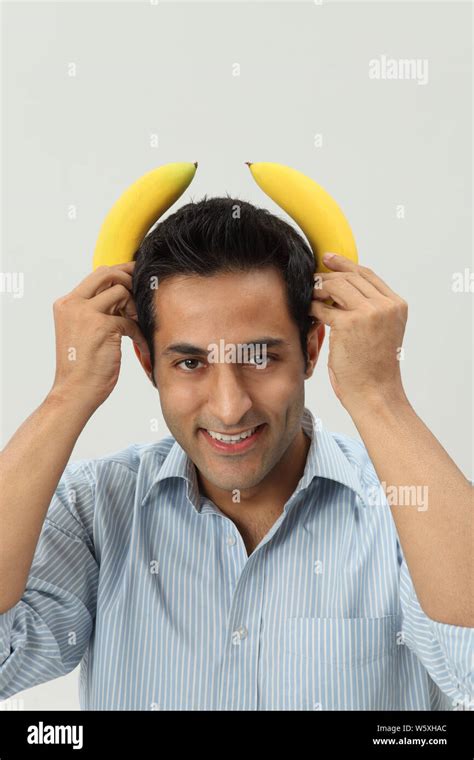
{"x":167,"y":69}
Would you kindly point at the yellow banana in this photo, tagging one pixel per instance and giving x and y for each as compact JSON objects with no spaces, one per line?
{"x":312,"y":208}
{"x":137,"y":209}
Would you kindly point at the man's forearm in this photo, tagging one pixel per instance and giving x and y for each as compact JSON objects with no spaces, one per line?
{"x":31,"y":466}
{"x":435,"y":528}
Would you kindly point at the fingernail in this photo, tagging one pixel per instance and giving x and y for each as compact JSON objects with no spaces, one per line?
{"x":328,"y":256}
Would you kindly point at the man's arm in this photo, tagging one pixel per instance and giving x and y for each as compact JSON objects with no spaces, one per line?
{"x":88,"y":357}
{"x":45,"y":634}
{"x":436,"y":530}
{"x":367,"y":327}
{"x":30,"y":468}
{"x":446,"y":651}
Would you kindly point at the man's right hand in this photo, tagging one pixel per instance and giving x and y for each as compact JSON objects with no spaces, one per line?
{"x":89,"y":324}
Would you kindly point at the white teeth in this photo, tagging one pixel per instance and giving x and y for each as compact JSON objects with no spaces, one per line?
{"x":232,"y":438}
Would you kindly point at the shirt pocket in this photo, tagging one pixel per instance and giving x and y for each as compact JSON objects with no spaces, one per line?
{"x":342,"y":642}
{"x":341,"y":663}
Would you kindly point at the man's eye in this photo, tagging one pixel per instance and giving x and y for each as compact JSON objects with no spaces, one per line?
{"x":183,"y":361}
{"x":261,"y":360}
{"x":258,"y":360}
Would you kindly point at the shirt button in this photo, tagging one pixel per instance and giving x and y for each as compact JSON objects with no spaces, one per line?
{"x":238,"y":635}
{"x":230,"y":540}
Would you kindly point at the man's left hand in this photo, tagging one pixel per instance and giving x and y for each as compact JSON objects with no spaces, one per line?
{"x":367,"y":325}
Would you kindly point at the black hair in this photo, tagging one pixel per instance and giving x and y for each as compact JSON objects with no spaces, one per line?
{"x":223,"y":235}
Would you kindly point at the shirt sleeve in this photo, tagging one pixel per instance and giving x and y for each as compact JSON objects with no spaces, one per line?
{"x":446,"y":651}
{"x":45,"y":635}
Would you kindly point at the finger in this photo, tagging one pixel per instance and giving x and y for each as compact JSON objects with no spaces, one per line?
{"x":339,"y":263}
{"x":123,"y":278}
{"x":378,"y":283}
{"x":130,"y":328}
{"x":342,"y":292}
{"x":360,"y":283}
{"x":324,"y":313}
{"x":115,"y":300}
{"x":317,"y":287}
{"x":342,"y":264}
{"x":101,"y":279}
{"x":127,"y":267}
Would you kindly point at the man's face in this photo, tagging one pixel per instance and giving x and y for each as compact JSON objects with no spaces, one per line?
{"x":199,"y":395}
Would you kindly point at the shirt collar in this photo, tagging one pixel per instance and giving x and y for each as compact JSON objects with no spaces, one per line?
{"x":325,"y":459}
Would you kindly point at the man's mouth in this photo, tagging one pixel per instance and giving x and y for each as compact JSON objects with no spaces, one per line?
{"x":236,"y":442}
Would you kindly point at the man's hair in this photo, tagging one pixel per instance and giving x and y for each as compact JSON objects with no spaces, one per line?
{"x":217,"y":235}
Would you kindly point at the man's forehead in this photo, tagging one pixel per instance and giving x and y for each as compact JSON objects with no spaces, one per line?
{"x":221,"y":281}
{"x":228,"y":297}
{"x":192,"y":319}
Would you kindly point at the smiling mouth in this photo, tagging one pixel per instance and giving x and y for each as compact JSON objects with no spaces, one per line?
{"x":237,"y":442}
{"x":232,"y":437}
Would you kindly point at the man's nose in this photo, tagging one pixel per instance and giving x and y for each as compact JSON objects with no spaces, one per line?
{"x":228,"y":399}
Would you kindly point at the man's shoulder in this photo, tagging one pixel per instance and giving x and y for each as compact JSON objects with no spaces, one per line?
{"x":130,"y":458}
{"x":136,"y":455}
{"x":353,"y":449}
{"x":357,"y":456}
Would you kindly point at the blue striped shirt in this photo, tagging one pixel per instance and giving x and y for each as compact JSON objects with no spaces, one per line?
{"x":147,"y":584}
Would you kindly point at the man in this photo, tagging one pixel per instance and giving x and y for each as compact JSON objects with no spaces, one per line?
{"x":250,"y":560}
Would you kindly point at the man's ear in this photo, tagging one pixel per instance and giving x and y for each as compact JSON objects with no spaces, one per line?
{"x":144,"y":360}
{"x":315,"y":340}
{"x":137,"y":351}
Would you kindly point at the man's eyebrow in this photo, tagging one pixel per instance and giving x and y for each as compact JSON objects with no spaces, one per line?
{"x":188,"y":348}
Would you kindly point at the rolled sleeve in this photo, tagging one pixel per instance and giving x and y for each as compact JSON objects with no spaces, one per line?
{"x":446,"y":651}
{"x":45,"y":635}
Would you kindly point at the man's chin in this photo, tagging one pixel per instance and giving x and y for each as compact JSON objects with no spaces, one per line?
{"x":230,"y":482}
